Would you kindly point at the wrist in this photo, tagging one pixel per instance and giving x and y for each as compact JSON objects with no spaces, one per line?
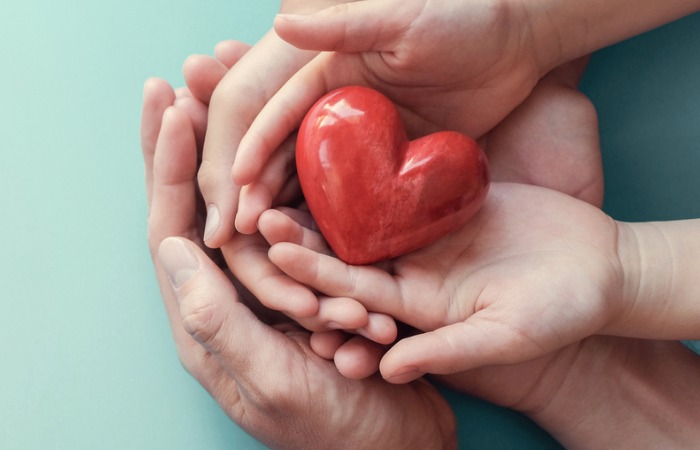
{"x":659,"y":297}
{"x":564,"y":30}
{"x":630,"y":297}
{"x":626,"y":392}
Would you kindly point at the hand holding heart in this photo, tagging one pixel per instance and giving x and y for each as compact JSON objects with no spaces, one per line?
{"x":533,"y":271}
{"x":467,"y":77}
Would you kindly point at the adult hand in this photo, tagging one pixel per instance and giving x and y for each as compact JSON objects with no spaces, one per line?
{"x":247,"y":256}
{"x":265,"y":377}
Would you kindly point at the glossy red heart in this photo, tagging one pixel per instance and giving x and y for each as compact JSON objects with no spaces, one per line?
{"x":373,"y":193}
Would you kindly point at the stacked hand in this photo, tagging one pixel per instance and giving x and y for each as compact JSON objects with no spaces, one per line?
{"x":504,"y":304}
{"x":259,"y":367}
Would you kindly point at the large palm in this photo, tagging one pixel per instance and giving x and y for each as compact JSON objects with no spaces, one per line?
{"x":264,"y":375}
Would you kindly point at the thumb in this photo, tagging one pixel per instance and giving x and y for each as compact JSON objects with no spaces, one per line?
{"x":211,"y":310}
{"x":458,"y":347}
{"x":347,"y":27}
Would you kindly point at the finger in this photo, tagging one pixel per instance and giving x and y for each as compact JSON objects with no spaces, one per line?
{"x":476,"y":342}
{"x":236,"y":100}
{"x":173,"y":211}
{"x":373,"y":287}
{"x":258,"y":196}
{"x":212,"y":314}
{"x":348,"y":27}
{"x":337,"y":313}
{"x":346,"y":314}
{"x":291,"y":225}
{"x":229,"y":52}
{"x":326,"y":343}
{"x":197,"y":112}
{"x":157,"y":96}
{"x":283,"y":114}
{"x":358,"y":358}
{"x":202,"y":73}
{"x":380,"y":328}
{"x":246,"y":256}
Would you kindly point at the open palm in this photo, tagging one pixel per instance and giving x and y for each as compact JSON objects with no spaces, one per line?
{"x":531,"y":273}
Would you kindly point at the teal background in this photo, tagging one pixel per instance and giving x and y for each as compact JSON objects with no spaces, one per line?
{"x":87,"y":357}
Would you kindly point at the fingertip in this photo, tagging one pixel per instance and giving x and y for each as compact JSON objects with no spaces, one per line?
{"x":179,"y":261}
{"x":303,"y":306}
{"x":380,"y":328}
{"x":240,"y":175}
{"x":403,"y":376}
{"x":249,"y":160}
{"x":342,"y":313}
{"x":254,"y":200}
{"x":155,"y":84}
{"x":398,"y":365}
{"x":280,"y":254}
{"x":277,"y":227}
{"x":358,"y":358}
{"x":267,"y":224}
{"x":229,"y":52}
{"x":326,"y":343}
{"x":171,"y":115}
{"x":284,"y":294}
{"x":244,"y":225}
{"x":191,"y":61}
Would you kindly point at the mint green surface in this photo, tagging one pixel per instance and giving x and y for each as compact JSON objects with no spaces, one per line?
{"x":87,"y":357}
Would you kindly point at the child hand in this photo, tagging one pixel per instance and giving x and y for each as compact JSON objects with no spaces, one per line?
{"x":233,"y":105}
{"x":534,"y":271}
{"x":466,"y":77}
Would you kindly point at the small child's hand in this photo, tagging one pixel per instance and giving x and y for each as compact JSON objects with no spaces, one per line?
{"x":236,"y":101}
{"x":247,"y":257}
{"x":460,"y":66}
{"x":534,"y":271}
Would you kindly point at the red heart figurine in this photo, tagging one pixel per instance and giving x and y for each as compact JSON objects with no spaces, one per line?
{"x":373,"y":193}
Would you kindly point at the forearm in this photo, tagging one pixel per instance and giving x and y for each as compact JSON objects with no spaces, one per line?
{"x":661,"y":288}
{"x":566,"y":29}
{"x":624,"y":393}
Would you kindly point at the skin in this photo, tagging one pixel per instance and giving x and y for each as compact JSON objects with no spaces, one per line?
{"x":463,"y":66}
{"x":557,"y":419}
{"x":523,"y":140}
{"x":230,"y":118}
{"x":587,"y":374}
{"x":215,"y":327}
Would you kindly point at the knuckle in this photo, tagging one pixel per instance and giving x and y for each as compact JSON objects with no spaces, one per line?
{"x":206,"y":176}
{"x":199,"y":316}
{"x":350,"y":281}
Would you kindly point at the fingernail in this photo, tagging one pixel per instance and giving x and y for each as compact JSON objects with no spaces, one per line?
{"x":294,"y":18}
{"x":178,"y":261}
{"x":404,"y":375}
{"x":336,"y":326}
{"x":213,"y":219}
